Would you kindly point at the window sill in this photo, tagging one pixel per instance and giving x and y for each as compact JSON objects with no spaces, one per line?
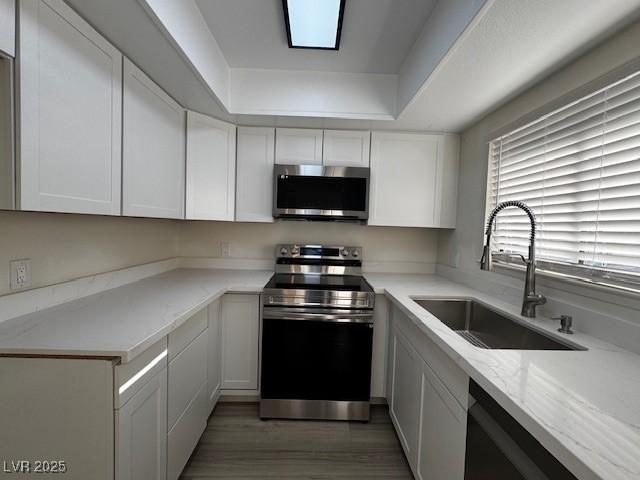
{"x":563,"y":279}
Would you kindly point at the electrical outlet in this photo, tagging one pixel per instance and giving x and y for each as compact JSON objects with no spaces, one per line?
{"x":225,"y":249}
{"x":20,"y":273}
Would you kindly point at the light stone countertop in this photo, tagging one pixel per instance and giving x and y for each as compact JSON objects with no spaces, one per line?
{"x":124,"y":321}
{"x":583,"y":406}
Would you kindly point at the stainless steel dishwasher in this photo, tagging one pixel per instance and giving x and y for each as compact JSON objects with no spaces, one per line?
{"x":499,"y":448}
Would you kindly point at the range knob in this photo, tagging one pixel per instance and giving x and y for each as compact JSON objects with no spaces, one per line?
{"x":345,"y":252}
{"x":295,"y":251}
{"x":284,"y":251}
{"x":355,"y":253}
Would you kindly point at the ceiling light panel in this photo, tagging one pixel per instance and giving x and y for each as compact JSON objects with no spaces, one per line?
{"x":313,"y":23}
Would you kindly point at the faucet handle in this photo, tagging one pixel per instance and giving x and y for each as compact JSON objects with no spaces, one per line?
{"x":565,"y":323}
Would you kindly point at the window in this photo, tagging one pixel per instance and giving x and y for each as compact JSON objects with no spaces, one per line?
{"x":578,"y":168}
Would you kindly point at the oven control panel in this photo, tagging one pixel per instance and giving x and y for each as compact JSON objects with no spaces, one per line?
{"x":318,"y":252}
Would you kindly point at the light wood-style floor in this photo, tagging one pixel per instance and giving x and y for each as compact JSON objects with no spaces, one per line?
{"x":238,"y":445}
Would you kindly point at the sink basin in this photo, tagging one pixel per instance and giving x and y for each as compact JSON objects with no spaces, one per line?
{"x":484,"y":327}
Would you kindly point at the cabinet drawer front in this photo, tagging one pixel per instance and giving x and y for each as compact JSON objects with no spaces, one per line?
{"x":186,"y":333}
{"x":130,"y":377}
{"x":184,"y":436}
{"x":187,"y":374}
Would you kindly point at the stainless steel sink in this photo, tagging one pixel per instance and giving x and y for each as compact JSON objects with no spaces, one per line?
{"x":484,"y":327}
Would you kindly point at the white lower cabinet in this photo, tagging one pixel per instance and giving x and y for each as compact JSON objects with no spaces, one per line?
{"x":429,"y":415}
{"x":184,"y":436}
{"x":240,"y":340}
{"x":443,"y":431}
{"x":141,"y":433}
{"x":405,"y":395}
{"x":213,"y":354}
{"x":187,"y":409}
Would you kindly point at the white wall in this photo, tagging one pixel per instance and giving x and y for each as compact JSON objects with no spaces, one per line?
{"x":255,"y":91}
{"x":594,"y":311}
{"x":385,"y":248}
{"x":64,"y":247}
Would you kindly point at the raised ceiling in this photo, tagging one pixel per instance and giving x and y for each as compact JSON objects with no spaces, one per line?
{"x":462,"y":60}
{"x":376,"y":35}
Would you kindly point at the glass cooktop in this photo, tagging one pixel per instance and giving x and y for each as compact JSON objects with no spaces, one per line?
{"x":349,"y":283}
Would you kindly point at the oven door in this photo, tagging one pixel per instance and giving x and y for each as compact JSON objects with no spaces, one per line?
{"x":314,"y":192}
{"x":316,"y":363}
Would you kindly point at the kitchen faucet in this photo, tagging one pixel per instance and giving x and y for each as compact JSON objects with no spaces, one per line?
{"x":531,"y":299}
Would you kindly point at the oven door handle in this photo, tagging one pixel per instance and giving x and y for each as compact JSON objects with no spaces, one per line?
{"x":319,"y":317}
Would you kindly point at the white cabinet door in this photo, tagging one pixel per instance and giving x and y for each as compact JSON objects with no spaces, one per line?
{"x":213,"y":354}
{"x":153,"y":149}
{"x":8,"y":27}
{"x":447,"y":182}
{"x":141,"y":433}
{"x":443,"y":431}
{"x":298,"y":146}
{"x":346,"y":148}
{"x":254,"y":179}
{"x":211,"y":168}
{"x":405,"y":395}
{"x":70,"y":113}
{"x":404,"y":168}
{"x":240,"y":341}
{"x":379,"y":350}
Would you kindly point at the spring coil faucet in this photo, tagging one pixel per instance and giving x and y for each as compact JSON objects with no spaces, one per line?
{"x":531,"y":299}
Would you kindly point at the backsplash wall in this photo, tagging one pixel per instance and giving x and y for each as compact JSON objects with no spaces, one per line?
{"x":63,"y":247}
{"x":385,"y":248}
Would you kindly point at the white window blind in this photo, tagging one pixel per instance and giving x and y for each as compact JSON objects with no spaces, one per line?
{"x":578,"y":168}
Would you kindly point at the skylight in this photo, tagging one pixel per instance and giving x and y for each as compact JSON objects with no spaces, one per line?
{"x":313,"y":23}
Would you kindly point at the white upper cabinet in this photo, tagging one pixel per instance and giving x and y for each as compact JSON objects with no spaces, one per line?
{"x":254,"y":183}
{"x":8,"y":27}
{"x":346,"y":148}
{"x":69,"y":156}
{"x":413,"y":179}
{"x":211,"y":168}
{"x":298,"y":146}
{"x":153,"y":149}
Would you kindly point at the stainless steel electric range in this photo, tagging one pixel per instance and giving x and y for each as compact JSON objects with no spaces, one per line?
{"x":317,"y":334}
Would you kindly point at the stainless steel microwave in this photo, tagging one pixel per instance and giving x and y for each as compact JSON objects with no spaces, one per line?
{"x":316,"y":192}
